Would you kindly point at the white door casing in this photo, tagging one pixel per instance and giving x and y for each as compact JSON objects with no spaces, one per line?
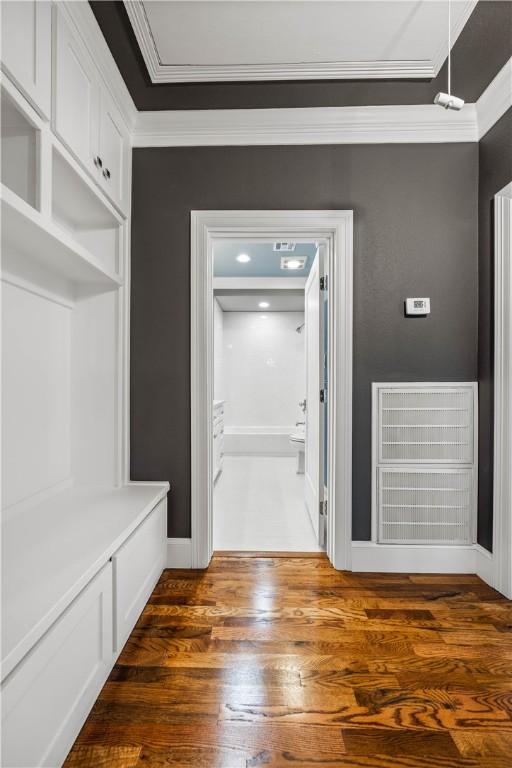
{"x":334,"y":229}
{"x":502,"y":505}
{"x":313,"y":356}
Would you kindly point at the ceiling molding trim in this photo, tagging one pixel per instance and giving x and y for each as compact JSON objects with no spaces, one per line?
{"x":139,"y":21}
{"x":423,"y":123}
{"x":343,"y":70}
{"x":457,"y":25}
{"x":259,"y":283}
{"x":80,"y":15}
{"x":495,"y":100}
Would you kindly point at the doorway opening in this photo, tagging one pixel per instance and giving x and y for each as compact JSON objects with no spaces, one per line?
{"x":332,"y":232}
{"x":270,"y":395}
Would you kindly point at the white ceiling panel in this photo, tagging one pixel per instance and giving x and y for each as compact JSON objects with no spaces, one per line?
{"x":208,"y":40}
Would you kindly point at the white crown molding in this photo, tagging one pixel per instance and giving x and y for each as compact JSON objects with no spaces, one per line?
{"x":458,"y":23}
{"x":86,"y":26}
{"x":424,"y":123}
{"x":421,"y":123}
{"x":495,"y":100}
{"x":342,"y":70}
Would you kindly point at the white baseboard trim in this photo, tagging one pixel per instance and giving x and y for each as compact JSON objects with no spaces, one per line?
{"x":386,"y":558}
{"x":417,"y":558}
{"x":179,"y":553}
{"x":484,"y":565}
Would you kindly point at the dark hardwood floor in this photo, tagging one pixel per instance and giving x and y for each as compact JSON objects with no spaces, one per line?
{"x":283,"y":661}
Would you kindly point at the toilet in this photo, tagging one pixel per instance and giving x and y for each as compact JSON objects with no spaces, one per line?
{"x":298,"y":441}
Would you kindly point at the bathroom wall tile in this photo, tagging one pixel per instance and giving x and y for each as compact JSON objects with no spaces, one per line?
{"x":263,"y":368}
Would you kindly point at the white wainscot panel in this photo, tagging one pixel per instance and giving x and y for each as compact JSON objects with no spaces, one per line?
{"x":36,"y":334}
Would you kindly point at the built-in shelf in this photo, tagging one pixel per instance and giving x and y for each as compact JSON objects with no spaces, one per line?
{"x":29,"y":233}
{"x":19,"y":140}
{"x":80,"y":209}
{"x":51,"y":551}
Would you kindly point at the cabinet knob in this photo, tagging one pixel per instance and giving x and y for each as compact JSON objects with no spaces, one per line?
{"x":98,"y":162}
{"x":106,"y":173}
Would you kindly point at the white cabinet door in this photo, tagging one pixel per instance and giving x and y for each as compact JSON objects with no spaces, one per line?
{"x":113,"y":144}
{"x":47,"y":697}
{"x":27,"y":49}
{"x":76,"y":94}
{"x":138,"y":565}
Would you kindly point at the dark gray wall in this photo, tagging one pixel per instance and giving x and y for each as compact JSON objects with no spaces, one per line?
{"x":479,"y":53}
{"x":495,"y":171}
{"x":415,"y":234}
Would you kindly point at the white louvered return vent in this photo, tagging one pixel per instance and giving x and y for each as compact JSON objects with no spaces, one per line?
{"x":424,"y":454}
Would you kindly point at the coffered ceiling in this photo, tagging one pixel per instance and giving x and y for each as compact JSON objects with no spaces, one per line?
{"x":251,"y":40}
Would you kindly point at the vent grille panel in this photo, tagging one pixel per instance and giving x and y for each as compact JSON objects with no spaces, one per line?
{"x":425,"y":507}
{"x":426,"y":426}
{"x":424,"y":470}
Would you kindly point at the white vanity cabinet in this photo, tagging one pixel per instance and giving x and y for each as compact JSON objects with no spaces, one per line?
{"x":218,"y":437}
{"x":27,"y":50}
{"x":85,"y":117}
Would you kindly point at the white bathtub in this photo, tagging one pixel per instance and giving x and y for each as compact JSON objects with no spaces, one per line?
{"x":268,"y":441}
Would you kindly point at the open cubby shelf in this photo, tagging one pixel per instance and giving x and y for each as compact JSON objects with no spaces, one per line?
{"x":28,"y":232}
{"x":53,"y":215}
{"x":20,"y":152}
{"x":79,"y":210}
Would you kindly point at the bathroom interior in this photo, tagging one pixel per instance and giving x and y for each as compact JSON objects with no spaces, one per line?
{"x":266,"y":339}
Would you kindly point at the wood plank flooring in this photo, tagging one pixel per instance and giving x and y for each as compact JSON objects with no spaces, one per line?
{"x":280,"y":661}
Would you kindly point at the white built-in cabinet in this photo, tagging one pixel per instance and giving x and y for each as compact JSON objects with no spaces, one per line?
{"x":27,"y":50}
{"x":112,"y":150}
{"x":82,"y":546}
{"x":52,"y":692}
{"x":75,"y":98}
{"x":137,"y":566}
{"x":85,"y":117}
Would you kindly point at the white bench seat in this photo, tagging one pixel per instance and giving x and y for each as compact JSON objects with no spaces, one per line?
{"x":52,"y":551}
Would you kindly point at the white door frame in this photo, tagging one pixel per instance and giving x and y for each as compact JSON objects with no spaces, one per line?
{"x":335,"y":229}
{"x":502,"y":504}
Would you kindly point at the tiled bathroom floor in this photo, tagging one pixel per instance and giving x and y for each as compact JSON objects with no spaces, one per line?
{"x":259,"y":505}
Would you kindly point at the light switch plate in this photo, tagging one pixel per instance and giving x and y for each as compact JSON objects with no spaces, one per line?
{"x":417,"y":306}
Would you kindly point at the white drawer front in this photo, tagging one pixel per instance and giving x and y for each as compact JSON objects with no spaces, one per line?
{"x":48,"y":696}
{"x":137,"y":568}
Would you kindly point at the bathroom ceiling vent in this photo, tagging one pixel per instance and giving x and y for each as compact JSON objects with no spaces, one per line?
{"x":285,"y":246}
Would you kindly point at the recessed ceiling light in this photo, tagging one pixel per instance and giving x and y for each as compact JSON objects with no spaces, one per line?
{"x":263,"y":305}
{"x":243,"y":258}
{"x":293,"y":262}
